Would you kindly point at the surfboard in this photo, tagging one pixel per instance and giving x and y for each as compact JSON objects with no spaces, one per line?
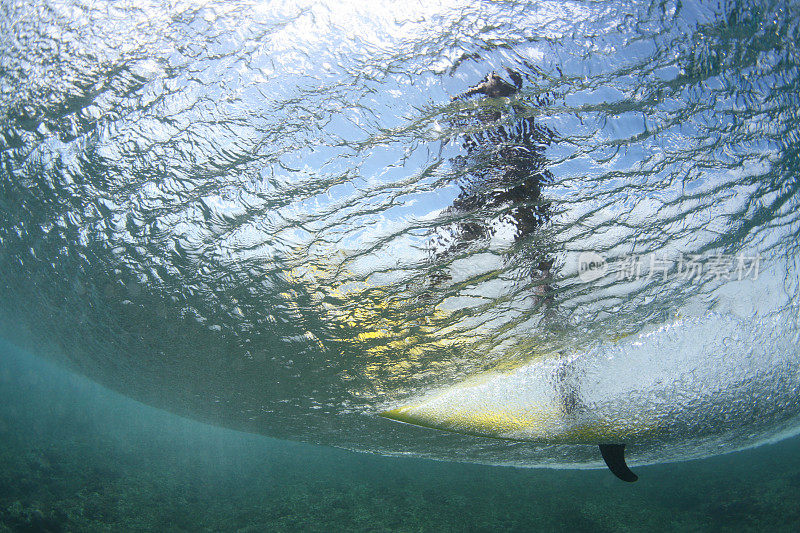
{"x":554,"y":400}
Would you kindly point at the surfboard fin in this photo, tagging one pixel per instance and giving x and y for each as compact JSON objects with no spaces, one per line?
{"x":614,"y":456}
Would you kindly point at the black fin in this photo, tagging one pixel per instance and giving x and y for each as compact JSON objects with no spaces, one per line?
{"x":614,"y":456}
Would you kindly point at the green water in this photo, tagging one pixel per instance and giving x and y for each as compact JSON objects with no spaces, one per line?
{"x":76,"y":457}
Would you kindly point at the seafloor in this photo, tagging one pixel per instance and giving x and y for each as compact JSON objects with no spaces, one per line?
{"x":74,"y":457}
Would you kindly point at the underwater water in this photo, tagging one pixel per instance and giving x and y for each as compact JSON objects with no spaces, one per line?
{"x":78,"y":457}
{"x":524,"y":228}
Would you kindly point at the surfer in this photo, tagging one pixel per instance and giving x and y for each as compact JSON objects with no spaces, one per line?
{"x":503,"y":169}
{"x":494,"y":86}
{"x":506,"y":170}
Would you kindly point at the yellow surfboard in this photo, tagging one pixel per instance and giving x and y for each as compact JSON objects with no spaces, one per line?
{"x":548,"y":401}
{"x":516,"y":406}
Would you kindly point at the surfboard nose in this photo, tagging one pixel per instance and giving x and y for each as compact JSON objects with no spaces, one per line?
{"x":399,"y":414}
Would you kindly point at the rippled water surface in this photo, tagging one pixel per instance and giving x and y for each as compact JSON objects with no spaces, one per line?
{"x":278,"y":218}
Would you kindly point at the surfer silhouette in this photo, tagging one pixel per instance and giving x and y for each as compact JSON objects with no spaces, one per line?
{"x":504,"y":170}
{"x":494,"y":86}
